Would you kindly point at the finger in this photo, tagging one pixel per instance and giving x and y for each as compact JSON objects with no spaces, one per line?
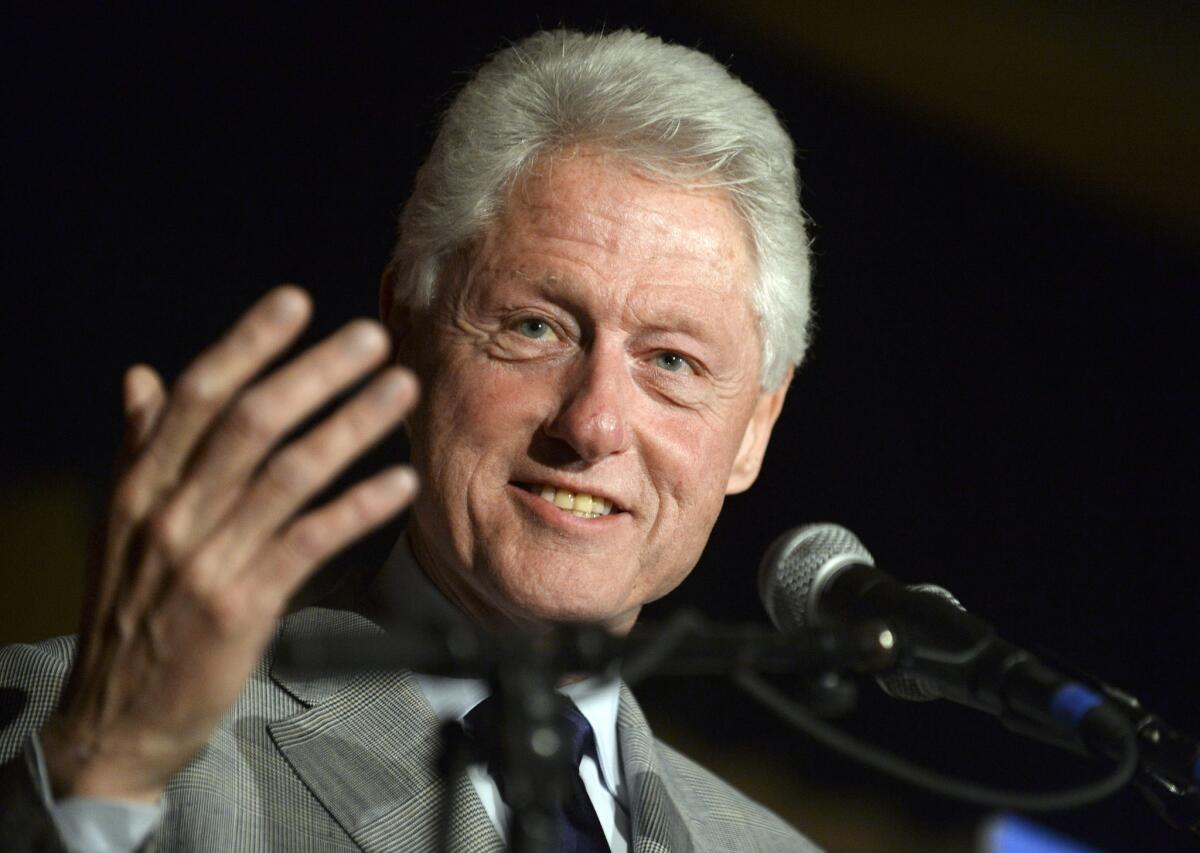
{"x":267,"y":412}
{"x":309,"y":464}
{"x":128,"y":581}
{"x":144,"y":398}
{"x":210,"y":382}
{"x":142,"y":402}
{"x":316,"y":536}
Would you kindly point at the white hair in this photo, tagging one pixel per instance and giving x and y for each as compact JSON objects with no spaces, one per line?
{"x":667,"y":109}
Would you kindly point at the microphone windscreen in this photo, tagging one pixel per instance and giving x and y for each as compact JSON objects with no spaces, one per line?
{"x":797,"y":564}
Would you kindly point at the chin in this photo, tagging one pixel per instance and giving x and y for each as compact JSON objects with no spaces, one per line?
{"x":543,"y":604}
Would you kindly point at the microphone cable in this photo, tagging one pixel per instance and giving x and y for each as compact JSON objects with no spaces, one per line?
{"x":938,"y":783}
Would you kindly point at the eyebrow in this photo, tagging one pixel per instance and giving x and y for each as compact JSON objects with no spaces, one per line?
{"x":565,"y":290}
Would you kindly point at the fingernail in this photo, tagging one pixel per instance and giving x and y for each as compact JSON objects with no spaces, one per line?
{"x":391,"y":385}
{"x":286,"y":306}
{"x":364,"y":337}
{"x":401,"y":481}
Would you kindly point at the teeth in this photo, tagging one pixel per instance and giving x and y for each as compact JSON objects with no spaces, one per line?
{"x":582,"y":505}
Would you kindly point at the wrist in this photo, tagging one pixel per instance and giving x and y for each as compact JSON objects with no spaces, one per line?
{"x":77,"y":766}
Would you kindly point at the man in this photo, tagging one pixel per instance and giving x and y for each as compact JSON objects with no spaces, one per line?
{"x":601,"y":284}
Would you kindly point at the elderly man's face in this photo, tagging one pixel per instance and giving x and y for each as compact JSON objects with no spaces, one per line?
{"x":600,"y":345}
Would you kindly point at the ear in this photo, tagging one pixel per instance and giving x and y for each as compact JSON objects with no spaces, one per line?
{"x":395,"y":316}
{"x":748,"y":461}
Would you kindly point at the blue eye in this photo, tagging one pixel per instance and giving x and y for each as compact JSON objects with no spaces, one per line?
{"x":671,"y":361}
{"x":536,"y":329}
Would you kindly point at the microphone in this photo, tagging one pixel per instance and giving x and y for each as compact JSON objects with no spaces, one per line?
{"x":822,"y":575}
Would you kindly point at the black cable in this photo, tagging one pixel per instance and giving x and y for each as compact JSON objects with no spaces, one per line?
{"x":938,"y":783}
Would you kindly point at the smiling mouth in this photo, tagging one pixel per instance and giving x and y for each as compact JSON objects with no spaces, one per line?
{"x":579,"y":504}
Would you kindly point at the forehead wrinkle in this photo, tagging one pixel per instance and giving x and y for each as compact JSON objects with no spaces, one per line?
{"x":543,"y":206}
{"x":605,"y":268}
{"x":606,"y":231}
{"x":547,"y":221}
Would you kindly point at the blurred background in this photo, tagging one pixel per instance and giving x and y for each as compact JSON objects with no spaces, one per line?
{"x":1002,"y":398}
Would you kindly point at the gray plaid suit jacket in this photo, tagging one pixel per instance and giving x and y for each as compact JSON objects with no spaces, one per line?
{"x":350,"y":763}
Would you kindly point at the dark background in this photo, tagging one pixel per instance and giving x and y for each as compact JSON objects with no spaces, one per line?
{"x":1002,"y":396}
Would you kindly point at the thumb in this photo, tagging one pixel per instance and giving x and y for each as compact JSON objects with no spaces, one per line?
{"x":143,"y":400}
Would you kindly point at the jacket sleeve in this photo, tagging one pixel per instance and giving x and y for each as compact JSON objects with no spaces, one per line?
{"x":31,"y":679}
{"x":25,"y":821}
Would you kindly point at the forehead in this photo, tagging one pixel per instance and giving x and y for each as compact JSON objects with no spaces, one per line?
{"x":581,"y":219}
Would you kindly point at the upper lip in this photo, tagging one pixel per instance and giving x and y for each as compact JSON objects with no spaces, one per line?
{"x":573,"y":488}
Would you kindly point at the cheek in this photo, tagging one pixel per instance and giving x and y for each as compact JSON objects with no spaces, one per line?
{"x":690,"y":466}
{"x":696,"y":458}
{"x":473,"y":422}
{"x":486,"y":410}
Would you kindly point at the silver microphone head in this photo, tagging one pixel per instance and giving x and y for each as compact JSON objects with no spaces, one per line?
{"x":798,"y":565}
{"x":796,"y":569}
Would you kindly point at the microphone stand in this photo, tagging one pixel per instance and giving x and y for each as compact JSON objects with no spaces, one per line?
{"x":1168,"y":770}
{"x":525,"y":669}
{"x":532,"y":740}
{"x":1168,"y":763}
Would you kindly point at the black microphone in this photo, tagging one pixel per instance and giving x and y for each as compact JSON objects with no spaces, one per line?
{"x":822,"y":575}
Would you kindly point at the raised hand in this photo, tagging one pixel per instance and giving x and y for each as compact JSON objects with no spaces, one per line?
{"x":206,"y":538}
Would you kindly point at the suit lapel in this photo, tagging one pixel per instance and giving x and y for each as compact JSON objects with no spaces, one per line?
{"x":367,"y":746}
{"x":656,"y":816}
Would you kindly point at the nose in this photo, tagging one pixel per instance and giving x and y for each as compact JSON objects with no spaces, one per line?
{"x":594,"y":416}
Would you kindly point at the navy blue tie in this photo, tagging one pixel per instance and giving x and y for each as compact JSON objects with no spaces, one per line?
{"x":578,"y":828}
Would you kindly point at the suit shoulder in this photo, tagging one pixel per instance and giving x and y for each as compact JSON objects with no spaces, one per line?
{"x":722,"y":810}
{"x":32,"y":676}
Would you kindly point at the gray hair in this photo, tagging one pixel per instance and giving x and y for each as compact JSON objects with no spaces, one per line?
{"x":667,"y":109}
